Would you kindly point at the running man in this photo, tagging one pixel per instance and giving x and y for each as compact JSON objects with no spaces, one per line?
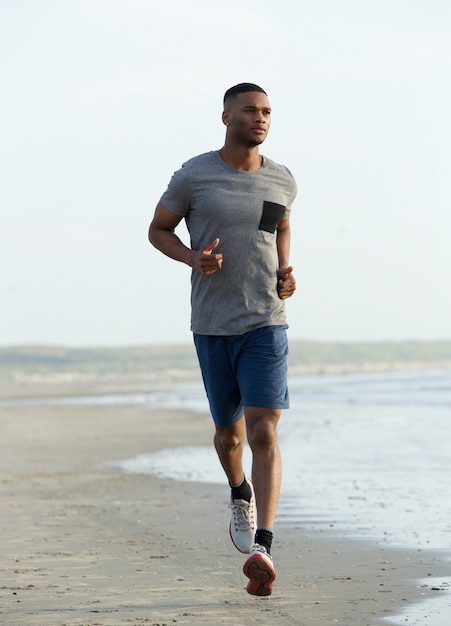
{"x":236,"y":204}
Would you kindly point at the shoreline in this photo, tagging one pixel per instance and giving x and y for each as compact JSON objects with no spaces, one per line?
{"x":87,"y":545}
{"x":21,"y":385}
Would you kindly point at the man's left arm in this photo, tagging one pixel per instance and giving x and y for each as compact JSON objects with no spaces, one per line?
{"x":286,"y":284}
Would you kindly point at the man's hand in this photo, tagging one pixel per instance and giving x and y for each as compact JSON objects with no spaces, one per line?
{"x":286,"y":285}
{"x":204,"y":261}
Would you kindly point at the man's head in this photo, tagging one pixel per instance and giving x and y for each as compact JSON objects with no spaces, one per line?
{"x":234,"y":91}
{"x":247,"y":114}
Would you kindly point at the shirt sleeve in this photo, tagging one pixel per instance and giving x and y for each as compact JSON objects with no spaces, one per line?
{"x":294,"y":191}
{"x":177,"y":197}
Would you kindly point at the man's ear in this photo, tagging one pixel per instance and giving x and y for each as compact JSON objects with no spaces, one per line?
{"x":226,"y":118}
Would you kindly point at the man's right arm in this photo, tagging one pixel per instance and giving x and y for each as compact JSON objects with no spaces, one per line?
{"x":163,"y":237}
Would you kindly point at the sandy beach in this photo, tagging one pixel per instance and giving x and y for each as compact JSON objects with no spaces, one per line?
{"x":86,"y":544}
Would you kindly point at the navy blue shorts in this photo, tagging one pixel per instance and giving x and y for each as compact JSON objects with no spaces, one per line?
{"x":244,"y":370}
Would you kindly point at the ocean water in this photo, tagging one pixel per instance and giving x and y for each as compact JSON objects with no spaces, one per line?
{"x":366,"y":454}
{"x":369,"y":454}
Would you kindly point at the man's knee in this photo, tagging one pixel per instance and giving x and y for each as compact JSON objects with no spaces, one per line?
{"x":229,"y":437}
{"x":262,"y":426}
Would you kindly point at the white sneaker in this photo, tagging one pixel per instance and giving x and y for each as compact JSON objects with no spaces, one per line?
{"x":243,"y":525}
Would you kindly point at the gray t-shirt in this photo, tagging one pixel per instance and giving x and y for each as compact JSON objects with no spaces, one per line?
{"x":242,"y":209}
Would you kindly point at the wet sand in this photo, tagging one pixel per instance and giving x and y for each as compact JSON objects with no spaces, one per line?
{"x":84,"y":544}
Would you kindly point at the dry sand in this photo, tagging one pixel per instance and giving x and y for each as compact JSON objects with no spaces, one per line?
{"x":88,"y":545}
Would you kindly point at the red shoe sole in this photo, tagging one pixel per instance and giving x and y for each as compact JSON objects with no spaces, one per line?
{"x":261,"y":574}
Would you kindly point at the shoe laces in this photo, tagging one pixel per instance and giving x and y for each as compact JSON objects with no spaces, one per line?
{"x":259,"y":548}
{"x":242,"y":514}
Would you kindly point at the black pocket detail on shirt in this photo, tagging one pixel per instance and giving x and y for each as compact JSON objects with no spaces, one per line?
{"x":271,"y":216}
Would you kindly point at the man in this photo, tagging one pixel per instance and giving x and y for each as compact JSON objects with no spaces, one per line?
{"x":236,"y":204}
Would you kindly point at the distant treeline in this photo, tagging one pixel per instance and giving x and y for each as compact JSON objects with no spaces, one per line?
{"x":359,"y":353}
{"x":42,"y":360}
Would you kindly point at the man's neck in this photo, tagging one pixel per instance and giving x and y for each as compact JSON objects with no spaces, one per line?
{"x":241,"y":158}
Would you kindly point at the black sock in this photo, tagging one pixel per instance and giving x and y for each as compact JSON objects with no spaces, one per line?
{"x":242,"y":491}
{"x":263,"y":536}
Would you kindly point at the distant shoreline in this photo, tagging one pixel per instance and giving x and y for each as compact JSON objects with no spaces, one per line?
{"x":355,"y":368}
{"x":32,"y":370}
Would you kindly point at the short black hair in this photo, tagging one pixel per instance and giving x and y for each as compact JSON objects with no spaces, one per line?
{"x":241,"y":88}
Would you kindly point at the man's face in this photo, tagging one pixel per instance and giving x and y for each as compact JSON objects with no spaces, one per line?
{"x":248,"y":117}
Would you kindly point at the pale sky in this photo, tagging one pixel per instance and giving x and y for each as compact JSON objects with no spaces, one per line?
{"x":102,"y":100}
